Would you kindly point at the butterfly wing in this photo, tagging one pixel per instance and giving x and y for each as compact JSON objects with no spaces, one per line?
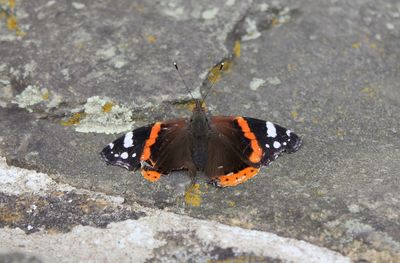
{"x":273,"y":139}
{"x":171,"y":148}
{"x":127,"y":149}
{"x":157,"y":149}
{"x":238,"y":146}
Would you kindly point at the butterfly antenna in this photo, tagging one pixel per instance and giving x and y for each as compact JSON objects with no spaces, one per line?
{"x":183,"y":81}
{"x":213,"y":81}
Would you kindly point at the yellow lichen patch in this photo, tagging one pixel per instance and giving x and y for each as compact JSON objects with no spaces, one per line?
{"x":215,"y":73}
{"x":320,"y":192}
{"x":231,"y":203}
{"x":274,"y":21}
{"x":294,"y":114}
{"x":11,"y":22}
{"x":203,"y":104}
{"x":80,"y":45}
{"x":370,"y":92}
{"x":107,"y":107}
{"x":19,"y":32}
{"x":45,"y":95}
{"x":9,"y":15}
{"x":74,"y":119}
{"x":191,"y":105}
{"x":356,"y":45}
{"x":236,"y":49}
{"x":340,"y":133}
{"x":11,"y":4}
{"x":151,"y":39}
{"x":193,"y":195}
{"x":187,"y":104}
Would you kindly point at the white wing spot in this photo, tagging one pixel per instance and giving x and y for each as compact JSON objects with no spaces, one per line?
{"x":111,"y":145}
{"x":124,"y":155}
{"x":128,"y":141}
{"x":277,"y":145}
{"x":284,"y":143}
{"x":133,"y":155}
{"x":271,"y":130}
{"x":116,"y":155}
{"x":288,"y":132}
{"x":267,"y":145}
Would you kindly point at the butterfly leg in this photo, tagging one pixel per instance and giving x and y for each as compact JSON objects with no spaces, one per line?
{"x":234,"y":179}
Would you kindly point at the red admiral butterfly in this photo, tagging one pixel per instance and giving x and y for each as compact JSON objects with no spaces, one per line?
{"x":229,"y":149}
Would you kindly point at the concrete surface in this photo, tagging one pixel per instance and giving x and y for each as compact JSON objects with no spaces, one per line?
{"x":73,"y":75}
{"x":48,"y":221}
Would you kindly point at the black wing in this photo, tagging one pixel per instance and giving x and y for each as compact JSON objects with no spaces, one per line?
{"x":127,"y":149}
{"x":273,"y":139}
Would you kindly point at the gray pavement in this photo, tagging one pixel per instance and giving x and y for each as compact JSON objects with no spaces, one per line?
{"x":75,"y":75}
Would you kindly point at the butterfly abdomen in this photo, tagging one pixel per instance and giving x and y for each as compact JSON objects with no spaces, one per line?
{"x":199,"y":149}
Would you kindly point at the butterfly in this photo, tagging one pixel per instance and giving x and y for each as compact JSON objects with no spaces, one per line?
{"x":228,"y":149}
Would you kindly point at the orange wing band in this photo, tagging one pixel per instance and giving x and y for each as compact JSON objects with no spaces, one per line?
{"x":150,"y":141}
{"x":257,"y":152}
{"x":151,"y":175}
{"x":237,"y":178}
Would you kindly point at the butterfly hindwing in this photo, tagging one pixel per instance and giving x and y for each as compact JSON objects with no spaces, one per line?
{"x":170,"y":150}
{"x":231,"y":157}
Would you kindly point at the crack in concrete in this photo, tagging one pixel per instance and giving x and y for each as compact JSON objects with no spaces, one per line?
{"x":259,"y":19}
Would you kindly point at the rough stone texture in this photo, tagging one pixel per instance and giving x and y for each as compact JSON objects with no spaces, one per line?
{"x":330,"y":71}
{"x":48,"y":222}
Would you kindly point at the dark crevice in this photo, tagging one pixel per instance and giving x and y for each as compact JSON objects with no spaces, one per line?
{"x":60,"y":211}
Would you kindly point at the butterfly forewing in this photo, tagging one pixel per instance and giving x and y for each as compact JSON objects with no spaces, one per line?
{"x":273,"y":139}
{"x":127,"y":149}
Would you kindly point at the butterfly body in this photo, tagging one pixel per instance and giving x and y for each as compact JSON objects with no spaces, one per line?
{"x":228,"y":149}
{"x":199,"y":130}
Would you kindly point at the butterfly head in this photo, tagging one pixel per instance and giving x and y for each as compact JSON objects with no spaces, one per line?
{"x":199,"y":103}
{"x":199,"y":119}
